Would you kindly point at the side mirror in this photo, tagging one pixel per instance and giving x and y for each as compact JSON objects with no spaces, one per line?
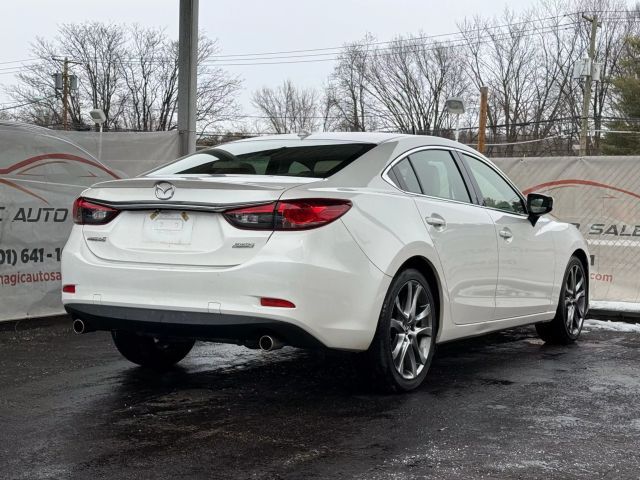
{"x":537,"y":205}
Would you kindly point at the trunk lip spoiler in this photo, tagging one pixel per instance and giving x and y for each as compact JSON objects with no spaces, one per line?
{"x":186,"y":206}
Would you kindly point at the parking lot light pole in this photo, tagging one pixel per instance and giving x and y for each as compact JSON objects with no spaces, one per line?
{"x":98,"y":116}
{"x":455,"y":106}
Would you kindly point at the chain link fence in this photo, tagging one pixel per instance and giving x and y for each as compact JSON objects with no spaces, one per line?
{"x":601,"y":196}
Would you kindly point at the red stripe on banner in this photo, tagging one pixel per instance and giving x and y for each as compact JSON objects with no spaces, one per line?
{"x":22,"y":189}
{"x":62,"y":156}
{"x":23,"y":172}
{"x":566,"y":183}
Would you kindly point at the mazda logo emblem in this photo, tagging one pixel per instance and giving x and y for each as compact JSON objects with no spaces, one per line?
{"x":164,"y":190}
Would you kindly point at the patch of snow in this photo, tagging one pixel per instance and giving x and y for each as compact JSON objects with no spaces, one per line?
{"x":614,"y":306}
{"x":612,"y":326}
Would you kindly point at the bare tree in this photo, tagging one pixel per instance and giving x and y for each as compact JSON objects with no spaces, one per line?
{"x":410,"y":81}
{"x":168,"y":87}
{"x":39,"y":101}
{"x":129,"y":72}
{"x":347,"y":101}
{"x":287,"y":108}
{"x":98,"y":48}
{"x":217,"y":89}
{"x":528,"y":66}
{"x":151,"y":77}
{"x":504,"y":62}
{"x":95,"y":49}
{"x":143,"y":77}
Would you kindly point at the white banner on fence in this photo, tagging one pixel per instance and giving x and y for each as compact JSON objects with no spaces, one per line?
{"x":600,"y":195}
{"x":128,"y":153}
{"x":41,"y":173}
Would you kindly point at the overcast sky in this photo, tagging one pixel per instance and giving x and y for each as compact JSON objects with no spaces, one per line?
{"x":251,"y":26}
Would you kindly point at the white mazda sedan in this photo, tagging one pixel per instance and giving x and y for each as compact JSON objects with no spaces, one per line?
{"x":377,"y":243}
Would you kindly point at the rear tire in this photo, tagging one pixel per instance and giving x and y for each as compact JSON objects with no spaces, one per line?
{"x":401,"y":351}
{"x":156,"y":353}
{"x":572,"y":309}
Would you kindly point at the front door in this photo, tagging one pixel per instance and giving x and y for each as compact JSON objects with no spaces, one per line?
{"x":525,"y":251}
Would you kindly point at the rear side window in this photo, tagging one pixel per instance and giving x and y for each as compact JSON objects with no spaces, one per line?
{"x":404,"y":177}
{"x":439,"y":175}
{"x":293,"y":158}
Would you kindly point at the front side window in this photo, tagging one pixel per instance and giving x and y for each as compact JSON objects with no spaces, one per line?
{"x":439,"y":175}
{"x":496,"y":192}
{"x":292,"y":158}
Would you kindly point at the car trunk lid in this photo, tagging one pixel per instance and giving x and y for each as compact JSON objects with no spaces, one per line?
{"x":186,"y":227}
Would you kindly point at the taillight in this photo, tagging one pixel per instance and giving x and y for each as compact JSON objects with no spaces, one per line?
{"x":252,"y":218}
{"x":312,"y":213}
{"x":289,"y":214}
{"x":87,"y":213}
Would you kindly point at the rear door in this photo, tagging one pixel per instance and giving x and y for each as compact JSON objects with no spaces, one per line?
{"x":526,"y":251}
{"x":463,"y":233}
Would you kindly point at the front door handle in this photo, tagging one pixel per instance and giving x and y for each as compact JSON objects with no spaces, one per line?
{"x":506,"y":233}
{"x":436,"y":221}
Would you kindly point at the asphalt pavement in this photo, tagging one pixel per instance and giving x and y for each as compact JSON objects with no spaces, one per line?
{"x":503,"y":406}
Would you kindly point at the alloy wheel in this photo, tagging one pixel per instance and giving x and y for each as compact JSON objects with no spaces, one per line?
{"x":575,"y":300}
{"x":411,"y":329}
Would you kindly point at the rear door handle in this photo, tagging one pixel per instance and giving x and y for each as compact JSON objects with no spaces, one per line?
{"x":436,"y":221}
{"x":506,"y":233}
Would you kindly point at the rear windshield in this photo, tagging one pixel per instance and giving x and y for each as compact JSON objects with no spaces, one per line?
{"x":293,"y":158}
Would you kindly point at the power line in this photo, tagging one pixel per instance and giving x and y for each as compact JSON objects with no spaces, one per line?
{"x":23,"y":66}
{"x":39,"y":100}
{"x":424,"y":37}
{"x":407,"y":43}
{"x":257,"y":59}
{"x":19,"y":61}
{"x":13,"y":72}
{"x":385,"y":52}
{"x":401,"y":44}
{"x":396,"y":44}
{"x":339,"y":49}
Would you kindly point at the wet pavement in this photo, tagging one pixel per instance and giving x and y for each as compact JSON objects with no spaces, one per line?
{"x":503,"y":406}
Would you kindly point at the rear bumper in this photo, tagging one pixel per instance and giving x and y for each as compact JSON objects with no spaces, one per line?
{"x":337,"y":291}
{"x":196,"y":325}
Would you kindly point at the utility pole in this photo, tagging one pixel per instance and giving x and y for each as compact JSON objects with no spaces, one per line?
{"x":586,"y":103}
{"x":65,"y":93}
{"x":484,"y":100}
{"x":69,"y":82}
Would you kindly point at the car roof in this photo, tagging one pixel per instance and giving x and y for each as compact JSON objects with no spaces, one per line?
{"x":363,"y":137}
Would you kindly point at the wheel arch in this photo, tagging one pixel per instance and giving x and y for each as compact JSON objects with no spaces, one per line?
{"x":582,"y":256}
{"x":426,"y":268}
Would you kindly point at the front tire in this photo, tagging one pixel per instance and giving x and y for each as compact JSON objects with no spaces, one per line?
{"x":566,"y":326}
{"x":156,"y":353}
{"x":401,"y":351}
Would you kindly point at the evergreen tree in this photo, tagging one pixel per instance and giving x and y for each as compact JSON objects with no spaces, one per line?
{"x":627,"y":105}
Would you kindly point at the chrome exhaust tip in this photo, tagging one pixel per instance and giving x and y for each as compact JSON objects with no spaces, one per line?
{"x":79,"y":327}
{"x":267,"y":343}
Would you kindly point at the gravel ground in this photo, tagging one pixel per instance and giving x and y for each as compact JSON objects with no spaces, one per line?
{"x":503,"y":406}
